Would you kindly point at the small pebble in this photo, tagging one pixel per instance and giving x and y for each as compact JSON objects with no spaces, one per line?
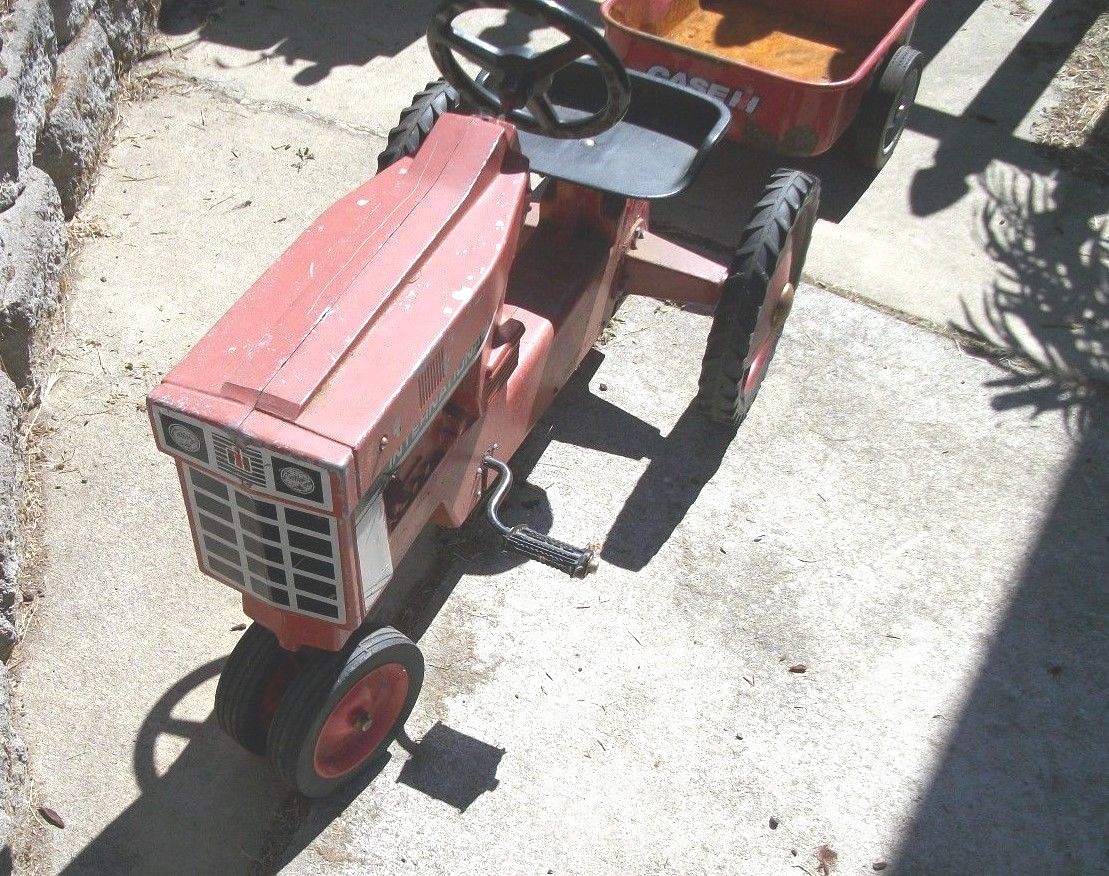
{"x":774,"y":823}
{"x":603,"y":387}
{"x":879,"y":865}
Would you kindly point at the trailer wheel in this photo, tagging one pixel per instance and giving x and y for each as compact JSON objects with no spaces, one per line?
{"x":885,"y":108}
{"x":251,"y":685}
{"x":757,"y":295}
{"x":417,"y":121}
{"x":343,"y":710}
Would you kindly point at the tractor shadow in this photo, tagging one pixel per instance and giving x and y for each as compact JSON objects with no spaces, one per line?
{"x":681,"y":463}
{"x":223,"y":811}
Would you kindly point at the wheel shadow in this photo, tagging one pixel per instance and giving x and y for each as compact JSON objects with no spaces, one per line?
{"x":680,"y":464}
{"x":208,"y":808}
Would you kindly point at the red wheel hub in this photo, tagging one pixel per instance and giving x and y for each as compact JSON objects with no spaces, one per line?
{"x":771,"y":322}
{"x":361,"y":721}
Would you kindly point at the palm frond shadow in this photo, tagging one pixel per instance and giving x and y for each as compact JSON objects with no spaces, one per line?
{"x":1050,"y":302}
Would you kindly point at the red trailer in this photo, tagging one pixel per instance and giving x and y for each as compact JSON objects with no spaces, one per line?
{"x":797,"y":75}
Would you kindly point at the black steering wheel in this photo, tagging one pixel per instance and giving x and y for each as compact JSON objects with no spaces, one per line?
{"x":519,"y":78}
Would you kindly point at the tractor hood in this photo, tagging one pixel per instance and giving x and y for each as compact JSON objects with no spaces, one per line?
{"x":402,"y":275}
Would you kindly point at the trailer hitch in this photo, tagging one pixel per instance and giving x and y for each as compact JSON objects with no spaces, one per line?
{"x":575,"y":562}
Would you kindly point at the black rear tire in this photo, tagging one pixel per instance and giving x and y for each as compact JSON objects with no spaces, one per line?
{"x":885,"y":109}
{"x":756,"y":297}
{"x":250,"y":686}
{"x":416,"y":122}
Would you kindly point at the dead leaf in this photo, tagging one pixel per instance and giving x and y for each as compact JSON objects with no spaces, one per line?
{"x":826,"y":858}
{"x":52,"y":816}
{"x":238,"y":627}
{"x":798,"y":668}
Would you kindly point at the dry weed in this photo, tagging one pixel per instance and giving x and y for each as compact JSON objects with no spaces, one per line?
{"x":1079,"y":124}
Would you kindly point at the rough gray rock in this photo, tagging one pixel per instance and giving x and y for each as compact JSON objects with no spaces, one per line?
{"x":27,"y":55}
{"x":69,"y":15}
{"x":11,"y":495}
{"x":81,"y":117}
{"x":34,"y":244}
{"x":128,"y":24}
{"x":13,"y":765}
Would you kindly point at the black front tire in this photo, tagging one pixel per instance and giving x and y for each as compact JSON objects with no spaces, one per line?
{"x":885,"y":109}
{"x":416,"y":122}
{"x":250,"y":686}
{"x":756,"y":297}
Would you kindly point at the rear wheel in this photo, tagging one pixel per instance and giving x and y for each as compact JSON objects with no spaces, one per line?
{"x":757,"y":296}
{"x":885,"y":109}
{"x":343,"y":710}
{"x":251,"y":686}
{"x":416,"y":122}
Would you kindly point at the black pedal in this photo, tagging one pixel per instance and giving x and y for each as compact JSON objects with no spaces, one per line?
{"x":574,"y":561}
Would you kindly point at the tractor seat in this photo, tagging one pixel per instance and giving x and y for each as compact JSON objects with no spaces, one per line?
{"x":655,"y":151}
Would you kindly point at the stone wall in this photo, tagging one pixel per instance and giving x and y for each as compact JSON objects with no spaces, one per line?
{"x":60,"y":68}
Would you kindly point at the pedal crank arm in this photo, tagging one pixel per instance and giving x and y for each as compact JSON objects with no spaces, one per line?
{"x":573,"y":561}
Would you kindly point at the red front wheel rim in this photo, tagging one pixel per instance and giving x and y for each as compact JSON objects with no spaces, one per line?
{"x":361,"y":721}
{"x":771,"y":322}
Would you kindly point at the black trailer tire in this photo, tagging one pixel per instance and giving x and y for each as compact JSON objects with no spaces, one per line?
{"x":251,"y":685}
{"x":416,"y":122}
{"x":756,"y":297}
{"x":342,"y":711}
{"x":885,"y":108}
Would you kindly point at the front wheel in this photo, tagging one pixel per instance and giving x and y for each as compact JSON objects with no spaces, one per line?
{"x":757,"y":296}
{"x":343,"y":710}
{"x":251,"y":685}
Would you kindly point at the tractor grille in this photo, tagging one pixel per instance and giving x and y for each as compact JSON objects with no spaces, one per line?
{"x":284,"y":556}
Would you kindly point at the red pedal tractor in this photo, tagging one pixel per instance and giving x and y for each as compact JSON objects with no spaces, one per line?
{"x":375,"y":379}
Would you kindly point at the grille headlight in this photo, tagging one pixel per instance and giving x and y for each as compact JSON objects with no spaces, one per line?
{"x":186,"y":437}
{"x":295,"y":480}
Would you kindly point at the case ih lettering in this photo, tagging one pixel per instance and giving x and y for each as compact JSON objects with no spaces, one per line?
{"x":377,"y":377}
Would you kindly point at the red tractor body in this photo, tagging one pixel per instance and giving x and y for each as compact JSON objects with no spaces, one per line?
{"x":348,"y":397}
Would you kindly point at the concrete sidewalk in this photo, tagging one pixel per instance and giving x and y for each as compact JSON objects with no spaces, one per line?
{"x":892,"y":516}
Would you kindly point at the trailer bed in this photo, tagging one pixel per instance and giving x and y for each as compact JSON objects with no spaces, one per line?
{"x":787,"y":43}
